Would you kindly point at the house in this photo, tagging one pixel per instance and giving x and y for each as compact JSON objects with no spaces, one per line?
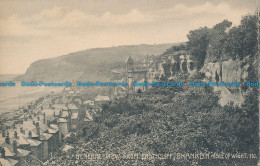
{"x":47,"y":115}
{"x":74,"y":120}
{"x":54,"y":130}
{"x":36,"y":147}
{"x":63,"y":126}
{"x":99,"y":100}
{"x":46,"y":104}
{"x":60,"y":107}
{"x":88,"y":116}
{"x":89,"y":103}
{"x":12,"y":151}
{"x":73,"y":108}
{"x":47,"y":142}
{"x":78,"y":101}
{"x":38,"y":131}
{"x":7,"y":161}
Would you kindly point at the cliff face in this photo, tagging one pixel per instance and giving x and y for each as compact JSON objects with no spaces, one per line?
{"x":229,"y":71}
{"x":88,"y":65}
{"x":172,"y":64}
{"x":234,"y":70}
{"x":212,"y":71}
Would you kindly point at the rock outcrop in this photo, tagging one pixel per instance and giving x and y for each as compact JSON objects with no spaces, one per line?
{"x":228,"y":71}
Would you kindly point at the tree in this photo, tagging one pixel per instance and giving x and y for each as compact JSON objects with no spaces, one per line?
{"x":198,"y":44}
{"x":242,"y":40}
{"x":217,"y":40}
{"x":71,"y":139}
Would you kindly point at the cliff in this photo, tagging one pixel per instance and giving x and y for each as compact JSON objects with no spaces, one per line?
{"x":230,"y":71}
{"x":88,"y":65}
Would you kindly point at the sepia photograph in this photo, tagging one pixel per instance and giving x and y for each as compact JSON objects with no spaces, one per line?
{"x":129,"y":82}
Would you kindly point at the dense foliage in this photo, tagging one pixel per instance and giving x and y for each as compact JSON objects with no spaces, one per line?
{"x":175,"y":120}
{"x":222,"y":42}
{"x":183,"y":119}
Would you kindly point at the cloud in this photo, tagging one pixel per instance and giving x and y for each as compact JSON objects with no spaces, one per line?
{"x":204,"y":15}
{"x":60,"y":30}
{"x":61,"y":18}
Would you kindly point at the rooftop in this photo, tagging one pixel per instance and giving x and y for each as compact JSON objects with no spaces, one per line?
{"x":45,"y":136}
{"x":72,"y":106}
{"x":129,"y":59}
{"x":74,"y":116}
{"x":62,"y":120}
{"x":8,"y":162}
{"x":102,"y":98}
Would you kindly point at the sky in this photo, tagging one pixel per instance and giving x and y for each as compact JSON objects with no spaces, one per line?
{"x":39,"y":29}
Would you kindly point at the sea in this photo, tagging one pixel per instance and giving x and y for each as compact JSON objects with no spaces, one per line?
{"x":13,"y":97}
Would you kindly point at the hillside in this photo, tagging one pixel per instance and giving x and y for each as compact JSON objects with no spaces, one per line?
{"x":88,"y":65}
{"x":171,"y":120}
{"x":184,"y":120}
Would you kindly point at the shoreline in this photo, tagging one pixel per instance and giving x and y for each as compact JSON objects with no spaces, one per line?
{"x":14,"y":102}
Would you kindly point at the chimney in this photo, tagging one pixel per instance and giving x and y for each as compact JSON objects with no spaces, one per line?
{"x":2,"y":152}
{"x":7,"y":139}
{"x":37,"y":128}
{"x":15,"y":147}
{"x":30,"y":134}
{"x":3,"y":133}
{"x":21,"y":130}
{"x":44,"y":120}
{"x":48,"y":123}
{"x":15,"y":134}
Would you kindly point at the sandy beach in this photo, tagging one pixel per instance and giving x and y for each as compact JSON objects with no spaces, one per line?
{"x":14,"y":97}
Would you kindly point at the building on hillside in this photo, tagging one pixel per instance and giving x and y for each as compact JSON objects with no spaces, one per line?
{"x":10,"y":150}
{"x":99,"y":100}
{"x":54,"y":130}
{"x":47,"y":148}
{"x":73,"y":108}
{"x":88,"y":116}
{"x":135,"y":72}
{"x":90,"y":103}
{"x":74,"y":120}
{"x":63,"y":126}
{"x":7,"y":161}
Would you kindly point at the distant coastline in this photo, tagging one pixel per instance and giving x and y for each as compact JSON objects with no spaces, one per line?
{"x":12,"y":98}
{"x":15,"y":97}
